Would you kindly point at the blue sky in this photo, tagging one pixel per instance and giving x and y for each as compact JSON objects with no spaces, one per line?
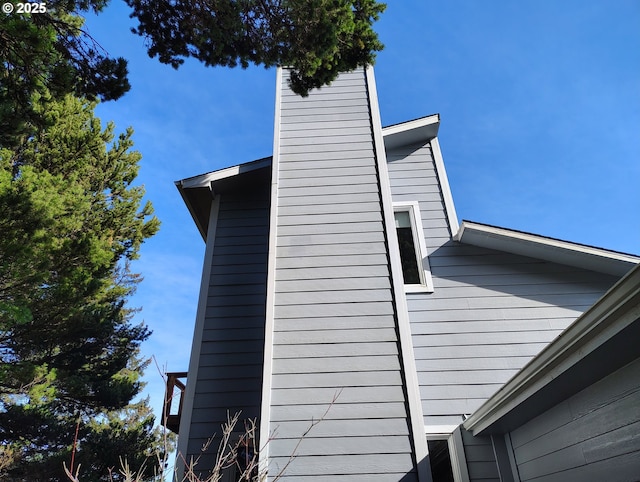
{"x":540,"y":129}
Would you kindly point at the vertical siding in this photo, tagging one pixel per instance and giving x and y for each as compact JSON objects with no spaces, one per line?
{"x":335,"y":331}
{"x":490,"y":311}
{"x":592,"y":436}
{"x":230,"y":368}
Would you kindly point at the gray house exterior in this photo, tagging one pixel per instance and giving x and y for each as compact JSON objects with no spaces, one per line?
{"x":345,"y":308}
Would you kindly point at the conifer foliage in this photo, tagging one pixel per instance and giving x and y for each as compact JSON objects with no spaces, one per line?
{"x":71,"y":219}
{"x":317,"y":39}
{"x":50,"y":52}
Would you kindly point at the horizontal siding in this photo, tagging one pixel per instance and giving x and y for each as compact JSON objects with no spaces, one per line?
{"x":490,"y":311}
{"x":229,"y":378}
{"x":335,"y":341}
{"x":592,"y":436}
{"x":481,"y":462}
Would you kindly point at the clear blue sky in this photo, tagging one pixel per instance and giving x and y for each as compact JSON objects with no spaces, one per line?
{"x":540,"y":129}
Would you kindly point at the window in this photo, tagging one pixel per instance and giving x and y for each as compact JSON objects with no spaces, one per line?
{"x":440,"y":461}
{"x":446,"y":453}
{"x":413,"y":251}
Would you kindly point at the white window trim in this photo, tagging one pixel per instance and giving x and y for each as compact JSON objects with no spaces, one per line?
{"x":413,"y":208}
{"x":451,"y":433}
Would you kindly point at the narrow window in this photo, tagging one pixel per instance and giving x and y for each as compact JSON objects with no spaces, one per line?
{"x":408,"y":252}
{"x":440,"y":461}
{"x":413,"y":252}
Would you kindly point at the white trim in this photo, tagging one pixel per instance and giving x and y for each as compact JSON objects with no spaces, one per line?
{"x":429,"y":120}
{"x":413,"y":208}
{"x":445,"y":188}
{"x":418,"y":130}
{"x":615,"y":311}
{"x":549,"y":249}
{"x":458,"y":457}
{"x":196,"y":347}
{"x":437,"y":432}
{"x":404,"y":329}
{"x":451,"y":433}
{"x":267,"y":369}
{"x":205,"y":180}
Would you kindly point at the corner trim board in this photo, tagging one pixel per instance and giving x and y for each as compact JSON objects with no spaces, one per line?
{"x":265,"y":410}
{"x":404,"y":329}
{"x":447,"y":197}
{"x":194,"y":362}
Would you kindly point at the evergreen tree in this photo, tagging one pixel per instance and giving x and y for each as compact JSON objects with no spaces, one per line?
{"x":70,"y":222}
{"x":317,"y":39}
{"x":49,"y":52}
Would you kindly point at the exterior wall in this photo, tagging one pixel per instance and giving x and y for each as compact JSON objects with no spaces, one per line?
{"x":335,"y":339}
{"x":229,"y":373}
{"x":592,"y":436}
{"x":490,"y":311}
{"x":481,"y":461}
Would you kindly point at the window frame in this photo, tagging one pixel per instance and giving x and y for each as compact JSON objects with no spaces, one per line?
{"x":424,"y":269}
{"x":451,"y":433}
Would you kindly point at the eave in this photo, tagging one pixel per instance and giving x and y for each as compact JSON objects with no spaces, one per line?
{"x":420,"y":130}
{"x":545,"y":248}
{"x":599,"y":342}
{"x":198,"y":191}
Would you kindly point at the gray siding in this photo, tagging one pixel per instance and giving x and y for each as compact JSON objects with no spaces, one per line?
{"x":481,"y":461}
{"x":592,"y":436}
{"x":230,"y":369}
{"x":490,"y":311}
{"x":335,"y":333}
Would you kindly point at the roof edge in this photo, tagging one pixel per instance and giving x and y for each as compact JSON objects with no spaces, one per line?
{"x":205,"y":180}
{"x":550,"y":249}
{"x":422,"y":129}
{"x":616,"y":310}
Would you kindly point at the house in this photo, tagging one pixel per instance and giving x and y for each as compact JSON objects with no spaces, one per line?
{"x":372,"y":335}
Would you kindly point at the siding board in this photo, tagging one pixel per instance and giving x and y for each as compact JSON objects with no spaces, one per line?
{"x":229,"y":377}
{"x":578,"y":439}
{"x":490,"y":311}
{"x":334,"y":320}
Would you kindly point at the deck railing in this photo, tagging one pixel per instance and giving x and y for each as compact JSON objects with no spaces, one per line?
{"x":170,"y":419}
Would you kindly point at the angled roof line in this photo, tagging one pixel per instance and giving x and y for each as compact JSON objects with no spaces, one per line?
{"x":546,"y":248}
{"x":205,"y":180}
{"x":197,"y":192}
{"x":608,"y":330}
{"x":422,"y":129}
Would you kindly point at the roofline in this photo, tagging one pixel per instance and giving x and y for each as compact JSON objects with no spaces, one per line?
{"x":550,"y":249}
{"x":205,"y":180}
{"x":422,"y":129}
{"x":618,"y":309}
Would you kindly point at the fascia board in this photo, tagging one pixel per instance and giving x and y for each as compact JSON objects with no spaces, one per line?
{"x":202,"y":228}
{"x":206,"y":180}
{"x":191,"y":189}
{"x":549,"y":249}
{"x":418,"y":130}
{"x":611,"y":314}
